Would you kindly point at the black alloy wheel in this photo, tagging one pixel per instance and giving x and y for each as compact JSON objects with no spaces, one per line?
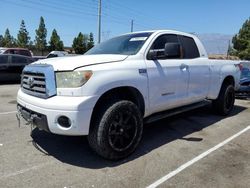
{"x":122,"y":131}
{"x":116,"y":129}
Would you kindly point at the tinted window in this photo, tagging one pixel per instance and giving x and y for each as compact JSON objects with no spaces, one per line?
{"x":162,"y":40}
{"x":19,"y":60}
{"x":159,"y":44}
{"x":190,"y":49}
{"x":4,"y":59}
{"x":9,"y":52}
{"x":24,"y":52}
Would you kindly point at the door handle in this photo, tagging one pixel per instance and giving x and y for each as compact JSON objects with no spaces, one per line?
{"x":183,"y":66}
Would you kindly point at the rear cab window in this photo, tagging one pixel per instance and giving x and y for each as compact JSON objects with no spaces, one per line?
{"x":190,"y":49}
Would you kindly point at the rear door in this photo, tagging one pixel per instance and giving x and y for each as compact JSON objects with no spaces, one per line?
{"x":4,"y":67}
{"x":198,"y":68}
{"x":17,"y":64}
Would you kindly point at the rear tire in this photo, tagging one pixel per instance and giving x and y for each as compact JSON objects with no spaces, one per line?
{"x":224,"y":104}
{"x":116,"y":130}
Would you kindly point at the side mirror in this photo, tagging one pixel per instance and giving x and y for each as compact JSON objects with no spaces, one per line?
{"x":172,"y":50}
{"x":152,"y":55}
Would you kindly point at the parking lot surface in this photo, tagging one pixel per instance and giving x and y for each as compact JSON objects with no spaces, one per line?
{"x":47,"y":160}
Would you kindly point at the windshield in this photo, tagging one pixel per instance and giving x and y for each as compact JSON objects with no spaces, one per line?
{"x":2,"y":51}
{"x":126,"y":44}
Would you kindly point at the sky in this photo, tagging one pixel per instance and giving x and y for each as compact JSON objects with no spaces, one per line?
{"x":69,"y":17}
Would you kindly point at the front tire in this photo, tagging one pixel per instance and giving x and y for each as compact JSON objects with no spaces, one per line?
{"x":116,"y":130}
{"x":224,"y":104}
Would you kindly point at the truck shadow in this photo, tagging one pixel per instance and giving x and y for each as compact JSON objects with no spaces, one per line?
{"x":75,"y":150}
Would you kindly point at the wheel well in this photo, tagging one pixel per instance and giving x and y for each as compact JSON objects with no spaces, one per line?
{"x":123,"y":93}
{"x":229,"y":80}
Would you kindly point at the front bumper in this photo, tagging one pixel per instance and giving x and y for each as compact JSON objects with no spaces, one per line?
{"x":47,"y":111}
{"x":34,"y":118}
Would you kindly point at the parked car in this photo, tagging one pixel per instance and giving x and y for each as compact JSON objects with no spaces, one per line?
{"x":111,"y":90}
{"x":57,"y":54}
{"x":36,"y":58}
{"x":244,"y":89}
{"x":11,"y":66}
{"x":19,"y":51}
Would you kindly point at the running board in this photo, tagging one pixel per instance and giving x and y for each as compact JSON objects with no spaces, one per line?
{"x":175,"y":111}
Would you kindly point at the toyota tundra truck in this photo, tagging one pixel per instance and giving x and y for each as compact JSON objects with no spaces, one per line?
{"x":120,"y":84}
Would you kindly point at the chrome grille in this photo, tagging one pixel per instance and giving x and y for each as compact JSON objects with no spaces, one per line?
{"x":39,"y":80}
{"x":34,"y":82}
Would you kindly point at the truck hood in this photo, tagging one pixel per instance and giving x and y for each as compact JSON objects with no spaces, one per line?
{"x":71,"y":63}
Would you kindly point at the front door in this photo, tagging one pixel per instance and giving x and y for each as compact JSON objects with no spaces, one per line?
{"x":168,"y":78}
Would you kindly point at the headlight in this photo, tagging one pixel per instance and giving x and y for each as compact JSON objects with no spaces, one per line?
{"x":72,"y":79}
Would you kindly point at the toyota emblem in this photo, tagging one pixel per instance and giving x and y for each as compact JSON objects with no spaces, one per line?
{"x":31,"y":82}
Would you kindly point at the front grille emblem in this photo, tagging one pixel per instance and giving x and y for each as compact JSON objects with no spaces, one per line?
{"x":31,"y":82}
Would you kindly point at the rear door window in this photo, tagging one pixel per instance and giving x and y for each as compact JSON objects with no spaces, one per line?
{"x":189,"y":46}
{"x":19,"y":60}
{"x":24,"y":52}
{"x":3,"y":59}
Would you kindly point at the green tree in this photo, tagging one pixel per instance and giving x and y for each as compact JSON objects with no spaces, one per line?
{"x":90,"y":43}
{"x":41,"y":34}
{"x":55,"y":43}
{"x":241,"y":41}
{"x":23,"y":38}
{"x":8,"y":40}
{"x":1,"y":41}
{"x":79,"y":44}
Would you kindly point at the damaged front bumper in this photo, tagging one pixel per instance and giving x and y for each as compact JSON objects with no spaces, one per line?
{"x":32,"y":118}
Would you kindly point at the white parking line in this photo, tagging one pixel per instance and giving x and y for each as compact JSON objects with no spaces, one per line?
{"x":25,"y":170}
{"x":11,"y":112}
{"x":194,"y":160}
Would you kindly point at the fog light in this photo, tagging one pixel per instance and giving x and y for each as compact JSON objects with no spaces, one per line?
{"x":64,"y":121}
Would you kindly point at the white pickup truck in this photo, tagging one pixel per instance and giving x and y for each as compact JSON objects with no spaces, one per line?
{"x":109,"y":92}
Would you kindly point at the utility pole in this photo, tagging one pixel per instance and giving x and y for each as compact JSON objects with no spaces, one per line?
{"x":228,"y":49}
{"x":132,"y":25}
{"x":99,"y":20}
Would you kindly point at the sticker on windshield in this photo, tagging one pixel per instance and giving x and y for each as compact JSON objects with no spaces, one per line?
{"x":138,"y":39}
